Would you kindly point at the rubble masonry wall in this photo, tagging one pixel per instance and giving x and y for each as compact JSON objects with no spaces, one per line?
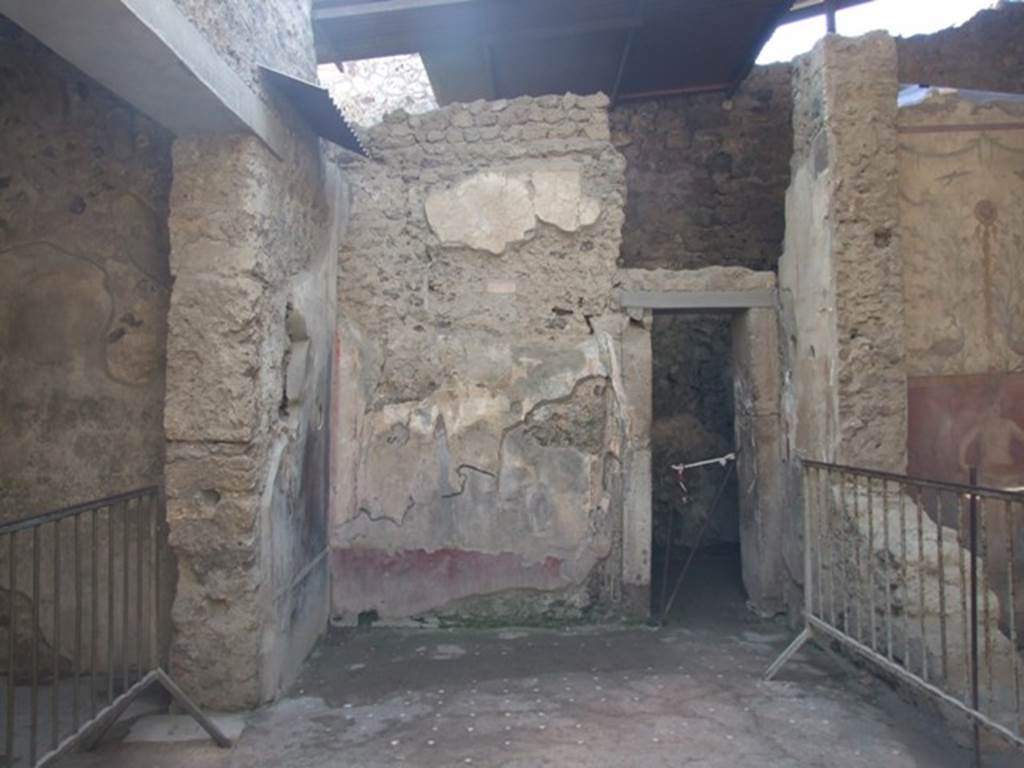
{"x":483,"y":423}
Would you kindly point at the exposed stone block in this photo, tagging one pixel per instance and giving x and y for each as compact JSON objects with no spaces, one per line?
{"x":213,"y":359}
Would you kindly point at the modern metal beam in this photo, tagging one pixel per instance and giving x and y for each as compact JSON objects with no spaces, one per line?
{"x":352,"y":31}
{"x":150,"y":54}
{"x":699,"y":301}
{"x":808,"y":10}
{"x":774,"y":19}
{"x":379,"y":8}
{"x":623,"y":63}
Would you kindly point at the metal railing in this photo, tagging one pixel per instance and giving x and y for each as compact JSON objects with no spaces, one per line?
{"x":86,"y":623}
{"x":924,"y":579}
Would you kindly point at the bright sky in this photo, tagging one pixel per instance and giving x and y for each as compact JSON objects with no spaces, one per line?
{"x":899,"y":17}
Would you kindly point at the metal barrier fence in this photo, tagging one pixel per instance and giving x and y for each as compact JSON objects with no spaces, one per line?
{"x":85,"y":615}
{"x":923,"y":579}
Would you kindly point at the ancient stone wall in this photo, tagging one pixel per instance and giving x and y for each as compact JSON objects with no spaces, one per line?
{"x":254,"y":239}
{"x":84,"y":285}
{"x":249,"y":34}
{"x":706,"y":177}
{"x":247,"y":403}
{"x":865,"y":242}
{"x":367,"y":90}
{"x":985,"y":54}
{"x":481,"y":405}
{"x":841,"y":275}
{"x":841,"y":278}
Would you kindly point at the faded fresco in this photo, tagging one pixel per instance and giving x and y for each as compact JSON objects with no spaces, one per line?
{"x":962,"y":216}
{"x":958,"y":422}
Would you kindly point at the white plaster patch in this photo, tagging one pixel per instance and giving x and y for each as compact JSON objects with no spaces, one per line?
{"x":486,"y":211}
{"x":558,"y":199}
{"x":489,"y":211}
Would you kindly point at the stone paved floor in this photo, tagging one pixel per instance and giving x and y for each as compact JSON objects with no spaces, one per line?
{"x":687,"y":695}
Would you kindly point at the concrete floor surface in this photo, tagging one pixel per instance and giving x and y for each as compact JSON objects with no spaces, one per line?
{"x":686,"y":695}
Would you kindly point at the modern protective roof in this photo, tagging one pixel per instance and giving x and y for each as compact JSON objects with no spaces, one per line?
{"x":506,"y":48}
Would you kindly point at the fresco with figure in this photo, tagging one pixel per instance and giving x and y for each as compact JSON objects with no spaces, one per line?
{"x":962,"y":229}
{"x":958,"y":422}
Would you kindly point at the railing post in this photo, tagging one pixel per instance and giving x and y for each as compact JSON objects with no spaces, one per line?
{"x":808,"y":543}
{"x":975,"y":622}
{"x":973,"y":545}
{"x":46,"y":661}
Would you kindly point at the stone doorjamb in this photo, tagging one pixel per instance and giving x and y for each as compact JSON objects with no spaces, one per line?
{"x":751,"y":298}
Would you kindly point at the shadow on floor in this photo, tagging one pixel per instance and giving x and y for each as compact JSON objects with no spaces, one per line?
{"x":710,"y":595}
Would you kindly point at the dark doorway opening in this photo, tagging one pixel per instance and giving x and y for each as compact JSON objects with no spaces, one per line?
{"x":694,"y":420}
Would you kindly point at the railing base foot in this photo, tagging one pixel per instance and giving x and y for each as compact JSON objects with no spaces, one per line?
{"x":90,"y":734}
{"x":787,"y":654}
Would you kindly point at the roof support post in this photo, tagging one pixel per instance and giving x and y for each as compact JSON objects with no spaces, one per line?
{"x":830,"y":16}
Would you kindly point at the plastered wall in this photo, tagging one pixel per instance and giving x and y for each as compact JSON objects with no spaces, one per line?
{"x":963,"y":260}
{"x":84,"y":285}
{"x":84,"y":288}
{"x":481,"y":404}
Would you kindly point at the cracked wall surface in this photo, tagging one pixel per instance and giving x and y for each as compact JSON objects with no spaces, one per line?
{"x":479,"y":394}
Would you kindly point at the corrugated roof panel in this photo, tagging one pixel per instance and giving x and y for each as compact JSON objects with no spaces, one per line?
{"x":521,"y":47}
